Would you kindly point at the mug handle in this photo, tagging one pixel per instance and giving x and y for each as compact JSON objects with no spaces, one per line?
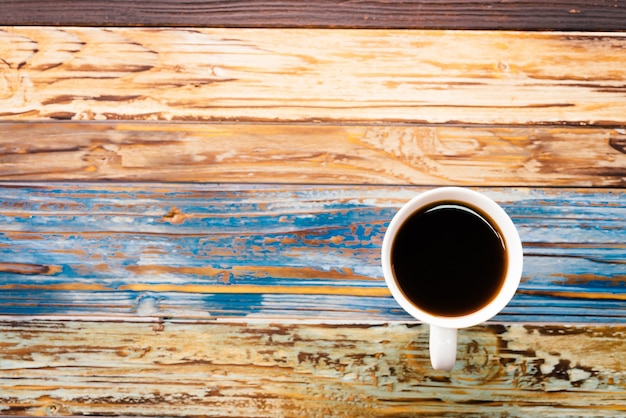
{"x":442,"y":347}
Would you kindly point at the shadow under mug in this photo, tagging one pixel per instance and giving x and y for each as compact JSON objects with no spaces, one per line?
{"x":452,"y":258}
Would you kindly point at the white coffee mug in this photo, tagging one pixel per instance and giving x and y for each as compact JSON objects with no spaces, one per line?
{"x":439,"y":201}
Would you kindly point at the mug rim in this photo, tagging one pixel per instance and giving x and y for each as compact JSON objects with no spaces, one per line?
{"x":497,"y":215}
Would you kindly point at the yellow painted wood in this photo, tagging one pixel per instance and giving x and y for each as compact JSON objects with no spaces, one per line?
{"x":295,"y":153}
{"x":292,"y":370}
{"x":312,"y":75}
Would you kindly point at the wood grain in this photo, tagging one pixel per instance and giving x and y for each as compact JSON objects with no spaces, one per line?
{"x":417,"y":14}
{"x":289,"y":370}
{"x":314,"y":154}
{"x":216,"y":251}
{"x":257,"y":291}
{"x":304,"y":75}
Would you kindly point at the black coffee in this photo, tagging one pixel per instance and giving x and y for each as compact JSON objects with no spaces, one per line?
{"x":448,"y":259}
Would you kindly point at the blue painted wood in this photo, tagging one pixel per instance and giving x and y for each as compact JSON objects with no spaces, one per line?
{"x":268,"y":251}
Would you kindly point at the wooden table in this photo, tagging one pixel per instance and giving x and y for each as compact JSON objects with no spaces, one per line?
{"x":193,"y":198}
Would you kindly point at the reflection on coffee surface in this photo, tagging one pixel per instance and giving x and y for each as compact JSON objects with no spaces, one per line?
{"x":448,"y":259}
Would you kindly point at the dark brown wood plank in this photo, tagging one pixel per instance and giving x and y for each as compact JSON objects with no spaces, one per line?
{"x":265,"y":369}
{"x":427,"y":14}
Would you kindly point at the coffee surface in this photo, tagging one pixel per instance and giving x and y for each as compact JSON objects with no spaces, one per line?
{"x":448,"y":259}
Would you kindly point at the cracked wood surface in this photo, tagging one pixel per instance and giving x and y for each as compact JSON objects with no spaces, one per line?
{"x":266,"y":369}
{"x":264,"y":296}
{"x":280,"y":251}
{"x":275,"y":75}
{"x":314,"y":154}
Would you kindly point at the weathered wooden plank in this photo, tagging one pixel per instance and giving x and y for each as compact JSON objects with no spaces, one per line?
{"x":464,"y":14}
{"x":312,"y":75}
{"x":280,"y":251}
{"x":314,"y":154}
{"x":281,"y":369}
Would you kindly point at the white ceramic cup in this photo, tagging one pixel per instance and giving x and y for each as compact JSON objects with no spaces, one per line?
{"x":443,"y":329}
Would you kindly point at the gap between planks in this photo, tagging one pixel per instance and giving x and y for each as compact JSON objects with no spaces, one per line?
{"x":205,"y":320}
